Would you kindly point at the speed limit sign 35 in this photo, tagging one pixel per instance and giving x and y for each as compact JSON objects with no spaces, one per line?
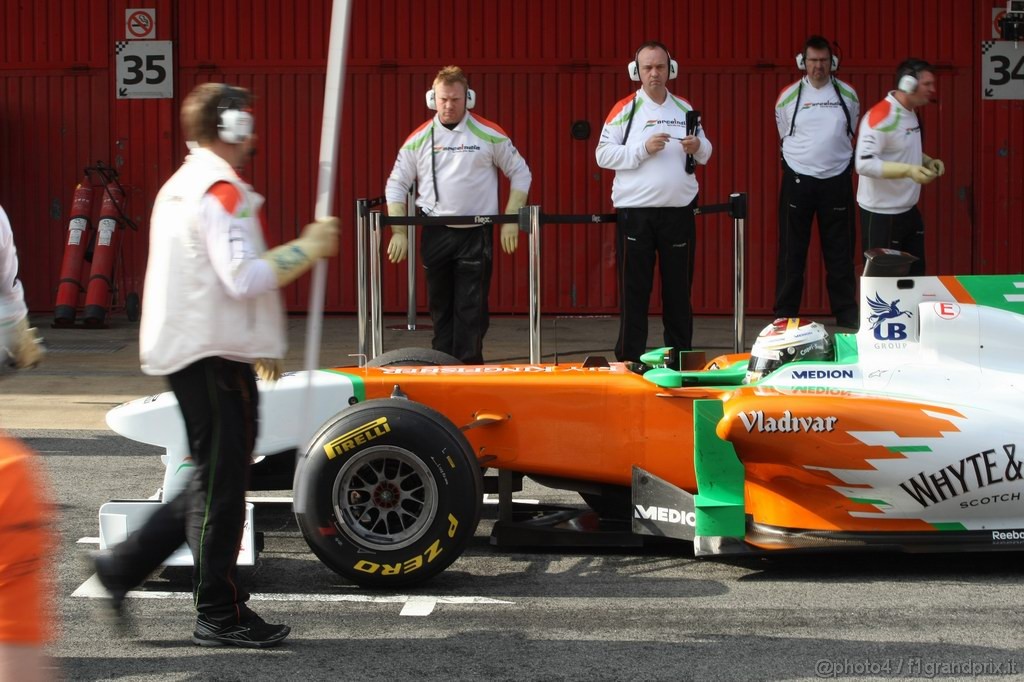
{"x":144,"y":69}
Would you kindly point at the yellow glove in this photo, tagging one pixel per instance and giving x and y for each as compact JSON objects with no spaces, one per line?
{"x":934,"y":165}
{"x":26,"y":348}
{"x":510,"y":231}
{"x":398,"y":247}
{"x":268,"y":369}
{"x":318,"y":240}
{"x":919,"y":174}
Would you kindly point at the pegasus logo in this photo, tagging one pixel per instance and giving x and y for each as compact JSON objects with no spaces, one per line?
{"x":886,"y":312}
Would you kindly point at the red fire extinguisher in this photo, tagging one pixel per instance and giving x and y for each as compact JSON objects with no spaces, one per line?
{"x":70,"y":285}
{"x":108,"y":237}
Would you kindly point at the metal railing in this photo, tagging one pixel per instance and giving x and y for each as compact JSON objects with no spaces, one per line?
{"x":530,"y":219}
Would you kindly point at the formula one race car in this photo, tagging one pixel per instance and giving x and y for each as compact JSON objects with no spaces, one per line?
{"x":902,"y":436}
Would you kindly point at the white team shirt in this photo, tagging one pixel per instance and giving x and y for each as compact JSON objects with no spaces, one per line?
{"x":888,"y":132}
{"x":229,"y":243}
{"x":642,"y":179}
{"x":12,"y":296}
{"x":820,"y":145}
{"x":463,"y":165}
{"x":207,"y":292}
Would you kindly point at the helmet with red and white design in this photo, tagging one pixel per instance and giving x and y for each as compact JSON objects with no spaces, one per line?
{"x":787,"y":340}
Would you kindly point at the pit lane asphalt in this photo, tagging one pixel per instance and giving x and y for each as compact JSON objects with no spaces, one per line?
{"x":551,"y":615}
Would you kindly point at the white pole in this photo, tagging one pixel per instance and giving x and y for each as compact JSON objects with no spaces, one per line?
{"x":333,"y":95}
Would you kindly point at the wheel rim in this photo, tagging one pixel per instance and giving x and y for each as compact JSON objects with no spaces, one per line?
{"x":385,"y":497}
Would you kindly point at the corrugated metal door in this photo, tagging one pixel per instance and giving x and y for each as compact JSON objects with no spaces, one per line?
{"x":54,"y":120}
{"x":538,"y":66}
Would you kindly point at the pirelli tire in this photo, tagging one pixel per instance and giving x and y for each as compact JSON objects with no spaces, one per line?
{"x":391,"y":493}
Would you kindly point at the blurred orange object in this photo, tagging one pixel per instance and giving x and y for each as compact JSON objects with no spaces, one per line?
{"x":26,"y":543}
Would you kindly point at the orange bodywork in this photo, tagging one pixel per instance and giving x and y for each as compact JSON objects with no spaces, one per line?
{"x":786,"y":484}
{"x":567,"y":421}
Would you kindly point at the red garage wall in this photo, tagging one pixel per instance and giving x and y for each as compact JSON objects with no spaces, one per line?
{"x":537,"y":67}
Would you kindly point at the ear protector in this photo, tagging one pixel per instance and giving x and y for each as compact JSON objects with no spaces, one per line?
{"x":802,"y":64}
{"x":432,"y":99}
{"x":907,"y":73}
{"x":634,"y":69}
{"x":907,"y":83}
{"x":234,"y":124}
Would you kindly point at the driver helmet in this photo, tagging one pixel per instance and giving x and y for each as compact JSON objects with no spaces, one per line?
{"x":786,"y":340}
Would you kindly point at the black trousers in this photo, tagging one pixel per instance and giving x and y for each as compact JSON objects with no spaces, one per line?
{"x":219,"y":402}
{"x":801,"y":198}
{"x":900,"y":231}
{"x":458,"y":266}
{"x":670,"y":234}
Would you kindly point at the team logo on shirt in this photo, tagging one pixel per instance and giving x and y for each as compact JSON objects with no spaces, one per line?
{"x":671,"y":122}
{"x":456,"y":150}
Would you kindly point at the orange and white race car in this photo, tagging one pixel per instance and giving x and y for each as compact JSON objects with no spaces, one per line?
{"x":901,"y":436}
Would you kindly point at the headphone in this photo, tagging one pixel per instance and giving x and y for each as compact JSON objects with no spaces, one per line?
{"x":432,"y":99}
{"x":906,"y":74}
{"x":234,"y":124}
{"x":801,"y":57}
{"x":634,"y":69}
{"x":802,"y":64}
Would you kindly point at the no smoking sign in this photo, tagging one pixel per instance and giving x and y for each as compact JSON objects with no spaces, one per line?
{"x":139,"y":24}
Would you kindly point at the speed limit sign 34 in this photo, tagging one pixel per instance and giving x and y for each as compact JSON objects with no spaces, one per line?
{"x":144,"y":69}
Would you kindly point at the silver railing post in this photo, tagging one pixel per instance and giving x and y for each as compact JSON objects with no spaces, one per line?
{"x":375,"y":316}
{"x":532,"y":215}
{"x":738,"y":203}
{"x":410,"y":209}
{"x":362,"y":231}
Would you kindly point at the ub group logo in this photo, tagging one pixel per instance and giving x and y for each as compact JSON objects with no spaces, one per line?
{"x":881,"y":320}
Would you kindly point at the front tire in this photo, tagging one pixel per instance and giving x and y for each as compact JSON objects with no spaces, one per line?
{"x":413,"y":357}
{"x":391,"y":493}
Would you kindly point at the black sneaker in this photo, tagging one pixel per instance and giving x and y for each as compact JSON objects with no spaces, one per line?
{"x":253,"y":633}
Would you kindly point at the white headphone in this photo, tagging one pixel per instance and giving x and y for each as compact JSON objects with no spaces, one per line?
{"x":634,"y":69}
{"x":907,"y":84}
{"x":432,"y":99}
{"x":802,"y":64}
{"x":234,"y":125}
{"x":907,"y":73}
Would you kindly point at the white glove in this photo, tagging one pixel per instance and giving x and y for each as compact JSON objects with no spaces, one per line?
{"x":934,"y":165}
{"x":510,"y":231}
{"x":398,"y":247}
{"x":919,"y":174}
{"x":26,"y":348}
{"x":268,"y":369}
{"x":291,"y":260}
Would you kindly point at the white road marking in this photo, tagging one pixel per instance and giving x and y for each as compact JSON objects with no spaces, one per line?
{"x":492,"y":498}
{"x":88,"y":541}
{"x":413,"y":605}
{"x":418,"y":606}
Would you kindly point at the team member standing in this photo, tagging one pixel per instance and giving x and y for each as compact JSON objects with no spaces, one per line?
{"x":893,"y":166}
{"x":454,"y":157}
{"x":17,"y":339}
{"x":815,"y":118}
{"x":645,"y":141}
{"x":211,"y":310}
{"x":26,"y":539}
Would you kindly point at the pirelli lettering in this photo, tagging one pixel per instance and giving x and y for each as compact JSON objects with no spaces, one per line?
{"x":356,"y":437}
{"x":409,"y":565}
